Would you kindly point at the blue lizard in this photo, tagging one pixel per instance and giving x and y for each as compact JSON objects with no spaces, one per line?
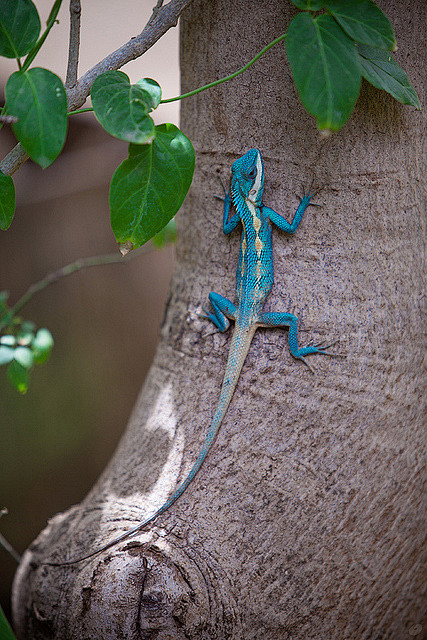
{"x":254,"y":281}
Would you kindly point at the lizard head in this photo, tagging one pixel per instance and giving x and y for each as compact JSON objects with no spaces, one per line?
{"x":247,"y":180}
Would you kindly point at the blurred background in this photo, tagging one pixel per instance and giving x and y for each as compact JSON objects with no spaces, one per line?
{"x":56,"y":439}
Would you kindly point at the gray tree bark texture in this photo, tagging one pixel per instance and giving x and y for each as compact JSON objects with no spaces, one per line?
{"x":306,"y":521}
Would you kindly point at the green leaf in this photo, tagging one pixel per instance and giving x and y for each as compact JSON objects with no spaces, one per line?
{"x":148,"y":188}
{"x":364,"y":22}
{"x":326,"y":68}
{"x":6,"y":355}
{"x":380,"y":69}
{"x":42,"y":346}
{"x":153,"y":91}
{"x":7,"y":200}
{"x":309,"y":5}
{"x":37,"y":97}
{"x":6,"y":632}
{"x":18,"y":376}
{"x":24,"y":356}
{"x":19,"y":27}
{"x":122,"y":108}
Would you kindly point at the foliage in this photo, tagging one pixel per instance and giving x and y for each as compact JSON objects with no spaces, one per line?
{"x":37,"y":98}
{"x":153,"y":177}
{"x":331,"y":45}
{"x":329,"y":53}
{"x":21,"y":347}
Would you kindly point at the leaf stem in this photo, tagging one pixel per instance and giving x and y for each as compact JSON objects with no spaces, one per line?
{"x":231,"y":76}
{"x":77,"y":111}
{"x":211,"y":84}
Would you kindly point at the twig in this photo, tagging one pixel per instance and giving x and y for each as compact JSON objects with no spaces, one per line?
{"x":13,"y":160}
{"x":8,"y":547}
{"x":73,"y":267}
{"x":166,"y":17}
{"x":73,"y":50}
{"x":155,"y":11}
{"x":5,"y":544}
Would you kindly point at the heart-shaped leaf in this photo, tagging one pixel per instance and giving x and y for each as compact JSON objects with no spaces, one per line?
{"x":37,"y":97}
{"x":148,"y":188}
{"x":7,"y":201}
{"x":364,"y":22}
{"x":19,"y":27}
{"x":122,"y":108}
{"x":326,"y":68}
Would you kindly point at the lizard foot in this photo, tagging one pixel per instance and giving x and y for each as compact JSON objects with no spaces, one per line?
{"x":227,"y":195}
{"x":319,"y":347}
{"x":310,"y":194}
{"x":206,"y":315}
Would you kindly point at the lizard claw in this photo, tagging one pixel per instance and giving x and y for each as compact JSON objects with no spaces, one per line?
{"x":307,"y":365}
{"x":331,"y":344}
{"x":207,"y":315}
{"x":310,"y":194}
{"x":222,"y":184}
{"x":327,"y":346}
{"x":319,"y":347}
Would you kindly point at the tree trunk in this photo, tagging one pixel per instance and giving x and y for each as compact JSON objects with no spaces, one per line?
{"x":305,"y":521}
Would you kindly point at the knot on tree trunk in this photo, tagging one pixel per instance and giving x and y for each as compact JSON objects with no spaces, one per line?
{"x":168,"y":588}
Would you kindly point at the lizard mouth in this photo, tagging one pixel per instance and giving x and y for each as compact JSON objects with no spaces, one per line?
{"x":252,"y":197}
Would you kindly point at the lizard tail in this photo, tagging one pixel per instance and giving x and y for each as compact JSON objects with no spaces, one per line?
{"x":239,"y":347}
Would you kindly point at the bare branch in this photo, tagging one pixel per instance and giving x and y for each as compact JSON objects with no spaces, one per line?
{"x":81,"y":263}
{"x":163,"y":18}
{"x":73,"y":51}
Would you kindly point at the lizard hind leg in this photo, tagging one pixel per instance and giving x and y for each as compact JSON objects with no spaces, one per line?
{"x":274,"y":319}
{"x":223,"y":311}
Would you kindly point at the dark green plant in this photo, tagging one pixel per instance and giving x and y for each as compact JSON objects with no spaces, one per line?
{"x":331,"y":45}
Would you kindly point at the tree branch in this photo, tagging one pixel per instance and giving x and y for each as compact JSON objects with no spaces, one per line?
{"x":13,"y":160}
{"x":163,"y":18}
{"x":73,"y":51}
{"x":81,"y":263}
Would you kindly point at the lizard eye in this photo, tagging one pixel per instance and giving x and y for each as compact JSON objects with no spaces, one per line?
{"x":252,"y":173}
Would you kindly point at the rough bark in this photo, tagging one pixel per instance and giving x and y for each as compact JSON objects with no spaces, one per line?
{"x":305,"y":522}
